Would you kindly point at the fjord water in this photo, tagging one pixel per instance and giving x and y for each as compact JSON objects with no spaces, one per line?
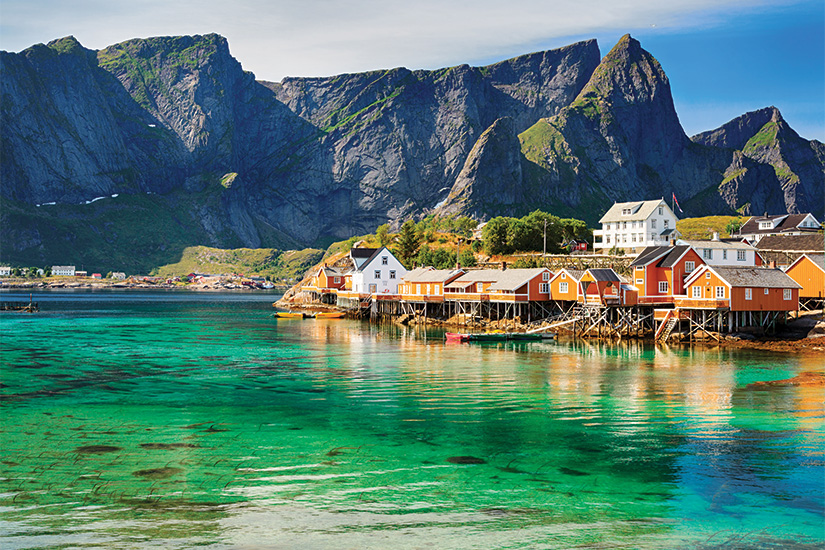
{"x":173,"y":420}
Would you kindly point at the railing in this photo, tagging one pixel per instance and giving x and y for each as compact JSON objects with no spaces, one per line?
{"x":466,"y":297}
{"x":702,"y":303}
{"x":655,"y":299}
{"x":509,"y":297}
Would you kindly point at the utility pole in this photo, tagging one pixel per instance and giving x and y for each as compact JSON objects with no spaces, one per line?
{"x":544,"y":251}
{"x":458,"y":253}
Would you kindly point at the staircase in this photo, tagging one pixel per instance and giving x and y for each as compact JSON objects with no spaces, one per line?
{"x":667,"y":329}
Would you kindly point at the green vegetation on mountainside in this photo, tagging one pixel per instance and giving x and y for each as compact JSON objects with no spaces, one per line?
{"x":271,"y":263}
{"x":703,"y":228}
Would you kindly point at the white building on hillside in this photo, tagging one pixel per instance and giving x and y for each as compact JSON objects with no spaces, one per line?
{"x":63,"y":271}
{"x":378,"y":274}
{"x":725,"y":252}
{"x":633,"y":226}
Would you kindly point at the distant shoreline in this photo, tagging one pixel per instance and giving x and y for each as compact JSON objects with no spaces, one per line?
{"x":107,"y":284}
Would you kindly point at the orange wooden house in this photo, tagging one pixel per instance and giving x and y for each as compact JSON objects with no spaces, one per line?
{"x":325,"y":284}
{"x":508,"y":285}
{"x":740,"y":289}
{"x":809,"y":272}
{"x":564,"y":285}
{"x":605,"y":287}
{"x":659,"y":272}
{"x":426,"y":284}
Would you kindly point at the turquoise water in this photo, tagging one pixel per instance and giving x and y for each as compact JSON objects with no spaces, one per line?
{"x":174,"y":420}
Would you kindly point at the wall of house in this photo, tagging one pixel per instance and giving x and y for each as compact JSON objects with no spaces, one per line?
{"x":810,"y":277}
{"x":772,"y":301}
{"x":572,"y":293}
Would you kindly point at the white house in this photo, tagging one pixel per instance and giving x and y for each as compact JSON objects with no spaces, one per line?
{"x":5,"y":271}
{"x":378,"y":274}
{"x":725,"y":252}
{"x":633,"y":226}
{"x":63,"y":271}
{"x":785,"y":224}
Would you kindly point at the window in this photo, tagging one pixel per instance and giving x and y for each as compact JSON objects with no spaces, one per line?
{"x":653,"y":236}
{"x":748,"y":294}
{"x":428,"y":290}
{"x":661,"y":211}
{"x":787,"y":294}
{"x":418,"y":289}
{"x":766,"y":292}
{"x":543,"y":288}
{"x":563,"y":288}
{"x":665,"y":223}
{"x":653,"y":223}
{"x":689,"y":267}
{"x":624,"y":225}
{"x":707,"y":253}
{"x":633,"y":225}
{"x":337,"y":280}
{"x":633,"y":237}
{"x":608,"y":239}
{"x":545,"y":276}
{"x":392,"y":274}
{"x":720,"y":292}
{"x":707,"y":274}
{"x":640,"y":281}
{"x":607,"y":226}
{"x":479,"y":287}
{"x":625,"y":211}
{"x":697,"y":291}
{"x":740,"y":255}
{"x":383,"y":260}
{"x":373,"y":288}
{"x":377,"y":274}
{"x":765,"y":225}
{"x":724,"y":254}
{"x":624,"y":238}
{"x":662,"y":287}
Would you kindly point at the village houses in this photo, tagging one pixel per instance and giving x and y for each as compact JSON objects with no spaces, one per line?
{"x":633,"y":226}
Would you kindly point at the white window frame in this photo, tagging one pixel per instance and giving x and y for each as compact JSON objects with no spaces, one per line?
{"x":563,"y":288}
{"x":653,"y":223}
{"x":545,"y":276}
{"x":640,"y":281}
{"x":707,"y":253}
{"x":373,"y":288}
{"x":392,"y":274}
{"x":748,"y":294}
{"x":697,"y":291}
{"x":720,"y":292}
{"x":707,"y":274}
{"x":663,"y":287}
{"x":337,"y":280}
{"x":689,"y":267}
{"x":787,"y":293}
{"x":766,"y":291}
{"x":724,"y":254}
{"x":544,"y":288}
{"x":377,"y":274}
{"x":741,"y":256}
{"x":383,"y":260}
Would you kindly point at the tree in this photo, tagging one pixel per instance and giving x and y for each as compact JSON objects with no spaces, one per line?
{"x":382,"y":234}
{"x":733,"y":226}
{"x":467,"y":258}
{"x":494,"y":236}
{"x":407,"y":244}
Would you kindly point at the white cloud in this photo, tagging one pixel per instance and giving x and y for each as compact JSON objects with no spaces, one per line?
{"x":325,"y":37}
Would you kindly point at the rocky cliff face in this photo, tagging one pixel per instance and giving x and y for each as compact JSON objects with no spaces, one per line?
{"x":620,"y":139}
{"x":772,"y":168}
{"x":247,"y":163}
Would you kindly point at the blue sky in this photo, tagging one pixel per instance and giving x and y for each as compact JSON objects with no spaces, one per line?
{"x":723,"y":57}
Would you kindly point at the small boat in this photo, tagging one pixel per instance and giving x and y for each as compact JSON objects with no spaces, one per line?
{"x":497,"y":336}
{"x":329,"y":315}
{"x":288,"y":315}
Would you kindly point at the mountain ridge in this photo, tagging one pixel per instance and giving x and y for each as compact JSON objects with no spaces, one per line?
{"x":241,"y":162}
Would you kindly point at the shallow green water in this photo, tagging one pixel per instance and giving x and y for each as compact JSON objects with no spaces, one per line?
{"x":178,"y":420}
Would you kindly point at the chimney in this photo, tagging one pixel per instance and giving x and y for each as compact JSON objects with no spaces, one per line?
{"x":772,"y":264}
{"x":715,"y":236}
{"x":503,"y":266}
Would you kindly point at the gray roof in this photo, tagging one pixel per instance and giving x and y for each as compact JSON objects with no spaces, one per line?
{"x":790,"y":222}
{"x":755,"y":277}
{"x":513,"y":279}
{"x":575,"y":274}
{"x":818,"y":259}
{"x":430,"y":275}
{"x":604,"y":274}
{"x":721,"y":244}
{"x":640,"y":210}
{"x":475,"y":276}
{"x":787,"y":243}
{"x":650,"y":254}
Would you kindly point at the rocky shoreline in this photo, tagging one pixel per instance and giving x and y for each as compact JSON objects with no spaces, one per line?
{"x":206,"y":284}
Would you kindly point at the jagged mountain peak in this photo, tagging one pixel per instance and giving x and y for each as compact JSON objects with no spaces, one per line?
{"x":736,"y":133}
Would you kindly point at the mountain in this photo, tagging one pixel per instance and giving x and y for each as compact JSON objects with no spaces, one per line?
{"x":151,"y":145}
{"x":620,"y":139}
